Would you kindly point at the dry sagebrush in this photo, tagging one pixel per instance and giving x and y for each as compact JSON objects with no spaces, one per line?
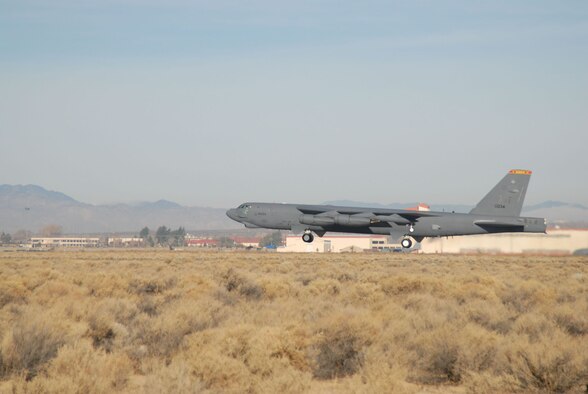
{"x":193,"y":322}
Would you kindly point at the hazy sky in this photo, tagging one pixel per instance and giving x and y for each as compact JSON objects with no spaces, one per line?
{"x":218,"y":102}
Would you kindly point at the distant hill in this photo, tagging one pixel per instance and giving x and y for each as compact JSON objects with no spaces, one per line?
{"x":31,"y":207}
{"x":32,"y":194}
{"x":558,"y":212}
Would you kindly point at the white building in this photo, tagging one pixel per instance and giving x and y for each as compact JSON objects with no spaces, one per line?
{"x":556,"y":241}
{"x":125,"y":242}
{"x":68,"y":242}
{"x":338,"y":243}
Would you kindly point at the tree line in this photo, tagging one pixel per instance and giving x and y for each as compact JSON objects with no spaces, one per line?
{"x":164,"y":236}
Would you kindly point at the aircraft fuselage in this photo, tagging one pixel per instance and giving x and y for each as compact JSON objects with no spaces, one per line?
{"x":498,"y":212}
{"x":435,"y":224}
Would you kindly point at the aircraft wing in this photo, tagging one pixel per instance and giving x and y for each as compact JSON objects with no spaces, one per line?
{"x":406,"y":214}
{"x":398,"y":216}
{"x":318,"y":209}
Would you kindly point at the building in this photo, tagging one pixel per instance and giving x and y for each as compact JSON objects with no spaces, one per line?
{"x":206,"y":242}
{"x":421,"y":206}
{"x":555,"y":242}
{"x":67,"y":242}
{"x":339,"y":243}
{"x":121,"y":242}
{"x":202,"y":242}
{"x":248,"y":242}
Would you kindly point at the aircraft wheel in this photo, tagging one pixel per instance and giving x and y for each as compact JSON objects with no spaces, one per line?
{"x":308,"y":237}
{"x":406,"y":243}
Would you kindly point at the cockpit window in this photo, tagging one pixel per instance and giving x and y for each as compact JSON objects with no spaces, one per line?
{"x":243,"y":210}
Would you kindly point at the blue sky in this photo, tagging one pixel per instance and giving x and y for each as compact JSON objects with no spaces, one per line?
{"x":215,"y":103}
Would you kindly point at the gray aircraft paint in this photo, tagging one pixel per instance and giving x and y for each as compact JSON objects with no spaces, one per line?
{"x":506,"y":198}
{"x":497,"y":212}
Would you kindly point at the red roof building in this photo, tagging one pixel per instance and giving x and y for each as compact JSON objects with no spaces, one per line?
{"x":202,"y":242}
{"x":420,"y":207}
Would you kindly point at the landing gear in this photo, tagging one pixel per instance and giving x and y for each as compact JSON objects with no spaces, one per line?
{"x":406,"y":243}
{"x":308,"y":237}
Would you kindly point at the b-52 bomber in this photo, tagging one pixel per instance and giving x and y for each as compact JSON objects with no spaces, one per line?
{"x":498,"y":212}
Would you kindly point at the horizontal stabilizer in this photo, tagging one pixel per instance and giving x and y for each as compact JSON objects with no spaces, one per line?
{"x":500,"y":224}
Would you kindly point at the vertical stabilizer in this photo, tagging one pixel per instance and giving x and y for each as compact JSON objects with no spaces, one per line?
{"x":507,"y":197}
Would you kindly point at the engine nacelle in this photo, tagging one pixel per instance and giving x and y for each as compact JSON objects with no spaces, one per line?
{"x":395,"y":218}
{"x":339,"y":220}
{"x":316,"y":220}
{"x":352,"y":221}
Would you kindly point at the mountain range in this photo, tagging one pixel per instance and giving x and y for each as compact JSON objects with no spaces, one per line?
{"x":31,"y":207}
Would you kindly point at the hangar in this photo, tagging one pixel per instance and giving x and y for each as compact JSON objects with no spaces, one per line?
{"x":557,"y":241}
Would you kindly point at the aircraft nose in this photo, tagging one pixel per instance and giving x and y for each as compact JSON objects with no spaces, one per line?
{"x":232,"y":213}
